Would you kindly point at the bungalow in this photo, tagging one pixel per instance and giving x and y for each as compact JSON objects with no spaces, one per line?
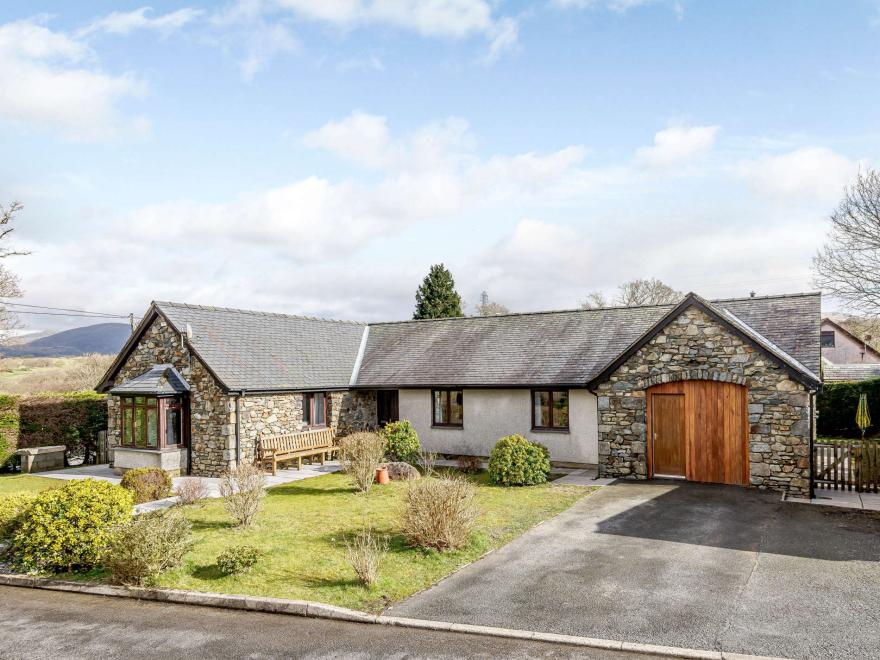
{"x":720,"y":391}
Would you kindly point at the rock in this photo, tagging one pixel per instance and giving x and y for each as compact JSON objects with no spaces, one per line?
{"x":400,"y":471}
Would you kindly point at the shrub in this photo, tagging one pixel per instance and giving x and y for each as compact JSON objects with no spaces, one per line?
{"x":238,"y":559}
{"x":73,"y":419}
{"x":399,"y":471}
{"x":365,"y":552}
{"x":440,"y":512}
{"x":469,"y":464}
{"x":242,"y":490}
{"x":401,"y":442}
{"x":70,"y":528}
{"x":11,"y":508}
{"x":515,"y":461}
{"x":361,"y":454}
{"x":147,"y":484}
{"x":147,"y":545}
{"x":191,"y":490}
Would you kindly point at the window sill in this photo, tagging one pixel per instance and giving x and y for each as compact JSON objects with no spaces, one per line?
{"x":458,"y":427}
{"x":150,"y":450}
{"x":543,"y":429}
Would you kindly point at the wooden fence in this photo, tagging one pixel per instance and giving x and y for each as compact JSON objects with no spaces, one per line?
{"x":842,"y":464}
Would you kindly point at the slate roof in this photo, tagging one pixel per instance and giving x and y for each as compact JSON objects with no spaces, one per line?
{"x":842,"y":372}
{"x":559,"y":348}
{"x":257,"y":351}
{"x":261,"y":351}
{"x":162,"y":379}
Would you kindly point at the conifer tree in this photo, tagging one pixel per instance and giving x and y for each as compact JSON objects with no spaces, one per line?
{"x":436,"y":297}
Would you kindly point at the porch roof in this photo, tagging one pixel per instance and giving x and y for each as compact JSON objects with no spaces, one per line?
{"x":160,"y":380}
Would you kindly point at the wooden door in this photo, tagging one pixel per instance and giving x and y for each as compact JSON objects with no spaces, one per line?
{"x":668,"y":434}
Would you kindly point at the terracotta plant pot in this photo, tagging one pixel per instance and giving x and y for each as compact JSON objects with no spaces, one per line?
{"x":382,"y":475}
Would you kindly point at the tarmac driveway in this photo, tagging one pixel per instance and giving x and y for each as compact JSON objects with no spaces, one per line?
{"x":680,"y":564}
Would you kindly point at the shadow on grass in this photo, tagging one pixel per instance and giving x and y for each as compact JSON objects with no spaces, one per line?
{"x":315,"y":582}
{"x":208,"y":572}
{"x":295,"y":489}
{"x":211,"y":525}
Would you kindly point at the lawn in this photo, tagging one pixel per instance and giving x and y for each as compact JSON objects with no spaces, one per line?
{"x":303,"y":526}
{"x":18,"y":483}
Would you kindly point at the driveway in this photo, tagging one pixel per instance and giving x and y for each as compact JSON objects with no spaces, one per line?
{"x":679,"y":564}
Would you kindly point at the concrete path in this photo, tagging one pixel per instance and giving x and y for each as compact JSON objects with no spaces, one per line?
{"x":587,"y":477}
{"x":845,"y":499}
{"x":50,"y":625}
{"x":679,"y":564}
{"x":105,"y":473}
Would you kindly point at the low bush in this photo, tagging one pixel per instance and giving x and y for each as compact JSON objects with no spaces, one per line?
{"x":401,"y":442}
{"x":191,"y":490}
{"x":147,"y":484}
{"x":516,"y":461}
{"x":469,"y":464}
{"x":238,"y":559}
{"x":399,"y":471}
{"x":242,"y":489}
{"x":147,"y":545}
{"x":365,"y":552}
{"x":440,"y":512}
{"x":70,"y":528}
{"x":360,"y":455}
{"x":11,"y":508}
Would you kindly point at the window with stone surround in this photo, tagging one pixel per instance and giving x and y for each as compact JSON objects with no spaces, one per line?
{"x":550,"y":410}
{"x":315,"y":409}
{"x":149,"y":422}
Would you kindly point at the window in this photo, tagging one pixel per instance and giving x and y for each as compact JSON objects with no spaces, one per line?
{"x":151,"y":423}
{"x":827,"y":340}
{"x":447,"y":408}
{"x":140,"y":421}
{"x":315,"y":409}
{"x":550,"y":410}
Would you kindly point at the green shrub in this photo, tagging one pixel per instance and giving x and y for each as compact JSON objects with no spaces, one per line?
{"x":516,"y":461}
{"x":401,"y":442}
{"x":147,"y":484}
{"x":837,"y":404}
{"x":238,"y":559}
{"x":70,"y":528}
{"x":147,"y":545}
{"x":11,"y":508}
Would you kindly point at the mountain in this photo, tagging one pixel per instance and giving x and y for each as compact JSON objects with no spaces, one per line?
{"x":106,"y":338}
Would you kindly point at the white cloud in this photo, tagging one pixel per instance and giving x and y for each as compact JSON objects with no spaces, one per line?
{"x":505,"y":38}
{"x":123,"y":23}
{"x":677,"y":145}
{"x":360,"y":137}
{"x":47,"y":80}
{"x":809,"y":173}
{"x":620,"y":6}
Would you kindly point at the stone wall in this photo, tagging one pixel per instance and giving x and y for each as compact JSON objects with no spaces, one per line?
{"x":694,"y":346}
{"x":213,"y":430}
{"x":268,"y":415}
{"x":353,"y":410}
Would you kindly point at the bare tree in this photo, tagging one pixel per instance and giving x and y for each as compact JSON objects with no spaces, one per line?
{"x":646,"y":292}
{"x":9,"y":287}
{"x":848,"y":265}
{"x":635,"y":292}
{"x":593,"y":300}
{"x":491,"y":309}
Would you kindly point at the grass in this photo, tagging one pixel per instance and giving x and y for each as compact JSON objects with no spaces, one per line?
{"x":303,"y":526}
{"x":25,"y":483}
{"x":42,"y":374}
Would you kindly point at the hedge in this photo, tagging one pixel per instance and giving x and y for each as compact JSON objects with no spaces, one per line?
{"x":73,"y":419}
{"x":837,"y":404}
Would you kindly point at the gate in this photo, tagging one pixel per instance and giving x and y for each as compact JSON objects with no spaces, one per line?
{"x":847,"y":465}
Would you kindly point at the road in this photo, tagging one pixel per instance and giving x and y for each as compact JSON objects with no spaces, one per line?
{"x":51,"y":624}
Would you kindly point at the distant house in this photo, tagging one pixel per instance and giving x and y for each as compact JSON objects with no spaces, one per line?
{"x":716,"y":391}
{"x":845,"y":356}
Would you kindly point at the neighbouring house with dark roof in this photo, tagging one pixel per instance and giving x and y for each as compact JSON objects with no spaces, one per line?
{"x":846,"y":356}
{"x":716,"y":391}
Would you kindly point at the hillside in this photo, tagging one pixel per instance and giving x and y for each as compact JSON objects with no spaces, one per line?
{"x":104,"y":338}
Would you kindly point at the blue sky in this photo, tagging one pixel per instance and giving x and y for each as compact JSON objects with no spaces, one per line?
{"x":316,"y":157}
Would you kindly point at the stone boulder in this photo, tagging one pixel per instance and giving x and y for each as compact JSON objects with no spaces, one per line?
{"x":399,"y":471}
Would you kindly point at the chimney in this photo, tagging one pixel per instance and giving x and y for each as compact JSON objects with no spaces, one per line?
{"x":189,"y":332}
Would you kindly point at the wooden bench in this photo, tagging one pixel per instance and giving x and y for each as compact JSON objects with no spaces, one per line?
{"x":296,"y":446}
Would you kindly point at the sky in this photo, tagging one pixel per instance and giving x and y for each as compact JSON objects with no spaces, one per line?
{"x":317,"y":156}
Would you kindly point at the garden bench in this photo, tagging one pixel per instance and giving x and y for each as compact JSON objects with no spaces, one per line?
{"x":296,"y":446}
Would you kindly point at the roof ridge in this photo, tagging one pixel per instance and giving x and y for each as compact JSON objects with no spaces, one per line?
{"x":770,"y":296}
{"x":254,"y":312}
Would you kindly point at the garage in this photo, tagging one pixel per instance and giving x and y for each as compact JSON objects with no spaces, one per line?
{"x":698,"y":430}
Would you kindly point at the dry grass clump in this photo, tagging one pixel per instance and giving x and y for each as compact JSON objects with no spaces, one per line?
{"x":365,"y":552}
{"x":242,"y":489}
{"x":191,"y":490}
{"x":67,"y":374}
{"x":360,"y":455}
{"x":440,"y":512}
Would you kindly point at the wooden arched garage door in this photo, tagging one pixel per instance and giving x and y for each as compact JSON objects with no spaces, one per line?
{"x":698,"y":429}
